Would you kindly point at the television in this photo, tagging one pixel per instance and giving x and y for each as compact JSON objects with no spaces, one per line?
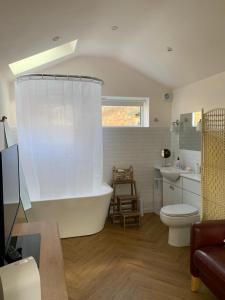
{"x":13,"y":248}
{"x":9,"y":194}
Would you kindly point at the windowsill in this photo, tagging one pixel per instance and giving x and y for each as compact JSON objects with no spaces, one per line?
{"x":125,"y":126}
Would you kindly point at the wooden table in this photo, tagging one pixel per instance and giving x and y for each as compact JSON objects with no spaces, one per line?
{"x":53,"y":286}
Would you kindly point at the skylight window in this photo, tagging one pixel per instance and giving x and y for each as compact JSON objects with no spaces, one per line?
{"x":43,"y":58}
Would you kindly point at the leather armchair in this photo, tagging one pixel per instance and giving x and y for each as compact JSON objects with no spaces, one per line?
{"x":208,"y":256}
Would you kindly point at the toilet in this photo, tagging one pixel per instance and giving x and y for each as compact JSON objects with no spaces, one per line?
{"x":179,"y":218}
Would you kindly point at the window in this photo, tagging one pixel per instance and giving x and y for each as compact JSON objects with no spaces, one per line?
{"x":43,"y":58}
{"x":196,"y":117}
{"x":125,"y":112}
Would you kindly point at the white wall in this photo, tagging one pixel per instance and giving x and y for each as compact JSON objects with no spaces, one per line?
{"x":4,"y":107}
{"x":208,"y":93}
{"x":7,"y":102}
{"x":120,"y":80}
{"x":4,"y":97}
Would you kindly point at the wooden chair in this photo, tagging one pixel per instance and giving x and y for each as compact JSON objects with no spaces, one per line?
{"x":119,"y":176}
{"x":125,"y":206}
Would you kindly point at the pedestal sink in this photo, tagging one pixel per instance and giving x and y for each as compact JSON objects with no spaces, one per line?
{"x":172,"y":173}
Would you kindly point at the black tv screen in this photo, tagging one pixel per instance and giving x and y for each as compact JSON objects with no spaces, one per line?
{"x":10,"y":193}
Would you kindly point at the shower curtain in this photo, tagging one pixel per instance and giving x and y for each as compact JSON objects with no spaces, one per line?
{"x":59,"y":135}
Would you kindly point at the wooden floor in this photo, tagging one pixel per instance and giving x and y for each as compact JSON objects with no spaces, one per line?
{"x":137,"y":264}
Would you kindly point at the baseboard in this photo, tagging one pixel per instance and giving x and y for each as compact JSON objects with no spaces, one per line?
{"x":148,"y":210}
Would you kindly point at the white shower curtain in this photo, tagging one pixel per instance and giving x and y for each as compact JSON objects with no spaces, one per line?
{"x":60,"y":135}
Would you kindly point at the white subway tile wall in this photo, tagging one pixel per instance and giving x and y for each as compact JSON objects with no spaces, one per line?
{"x":190,"y":158}
{"x":139,"y":147}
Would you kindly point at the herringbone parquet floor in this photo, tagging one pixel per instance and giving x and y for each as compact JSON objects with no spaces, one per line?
{"x":137,"y":264}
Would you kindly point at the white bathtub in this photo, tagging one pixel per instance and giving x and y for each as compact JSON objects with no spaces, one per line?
{"x":75,"y":216}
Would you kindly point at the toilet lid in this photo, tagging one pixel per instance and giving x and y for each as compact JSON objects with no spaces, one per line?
{"x":176,"y":210}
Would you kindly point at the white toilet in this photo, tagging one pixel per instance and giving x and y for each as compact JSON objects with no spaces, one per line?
{"x":179,"y":218}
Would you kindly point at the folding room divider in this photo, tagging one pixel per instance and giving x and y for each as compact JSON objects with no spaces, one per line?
{"x":213,"y":164}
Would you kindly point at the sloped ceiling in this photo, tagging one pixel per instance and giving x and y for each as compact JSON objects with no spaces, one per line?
{"x":195,"y":29}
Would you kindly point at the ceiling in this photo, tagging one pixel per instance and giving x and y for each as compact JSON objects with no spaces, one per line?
{"x":195,"y":29}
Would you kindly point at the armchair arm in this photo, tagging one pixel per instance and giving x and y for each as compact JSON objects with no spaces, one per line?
{"x":207,"y":233}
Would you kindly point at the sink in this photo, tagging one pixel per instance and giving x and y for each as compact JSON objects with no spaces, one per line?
{"x":172,"y":173}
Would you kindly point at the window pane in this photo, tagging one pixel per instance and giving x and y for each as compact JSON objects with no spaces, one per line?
{"x":196,"y":117}
{"x":121,"y":115}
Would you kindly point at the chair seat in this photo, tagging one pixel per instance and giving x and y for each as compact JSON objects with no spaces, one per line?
{"x":210,"y":261}
{"x":130,"y":214}
{"x":127,"y":197}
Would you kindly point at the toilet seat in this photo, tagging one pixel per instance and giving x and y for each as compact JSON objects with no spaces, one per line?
{"x":179,"y":210}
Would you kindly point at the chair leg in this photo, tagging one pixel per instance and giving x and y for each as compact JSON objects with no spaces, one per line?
{"x":195,"y":283}
{"x":121,"y":221}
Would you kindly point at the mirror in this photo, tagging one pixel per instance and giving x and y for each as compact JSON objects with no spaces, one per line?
{"x":165,"y":153}
{"x":189,"y":135}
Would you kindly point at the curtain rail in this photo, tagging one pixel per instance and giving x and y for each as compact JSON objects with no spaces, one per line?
{"x":60,"y":76}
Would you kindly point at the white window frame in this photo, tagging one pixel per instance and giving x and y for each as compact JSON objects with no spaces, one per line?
{"x":143,"y":102}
